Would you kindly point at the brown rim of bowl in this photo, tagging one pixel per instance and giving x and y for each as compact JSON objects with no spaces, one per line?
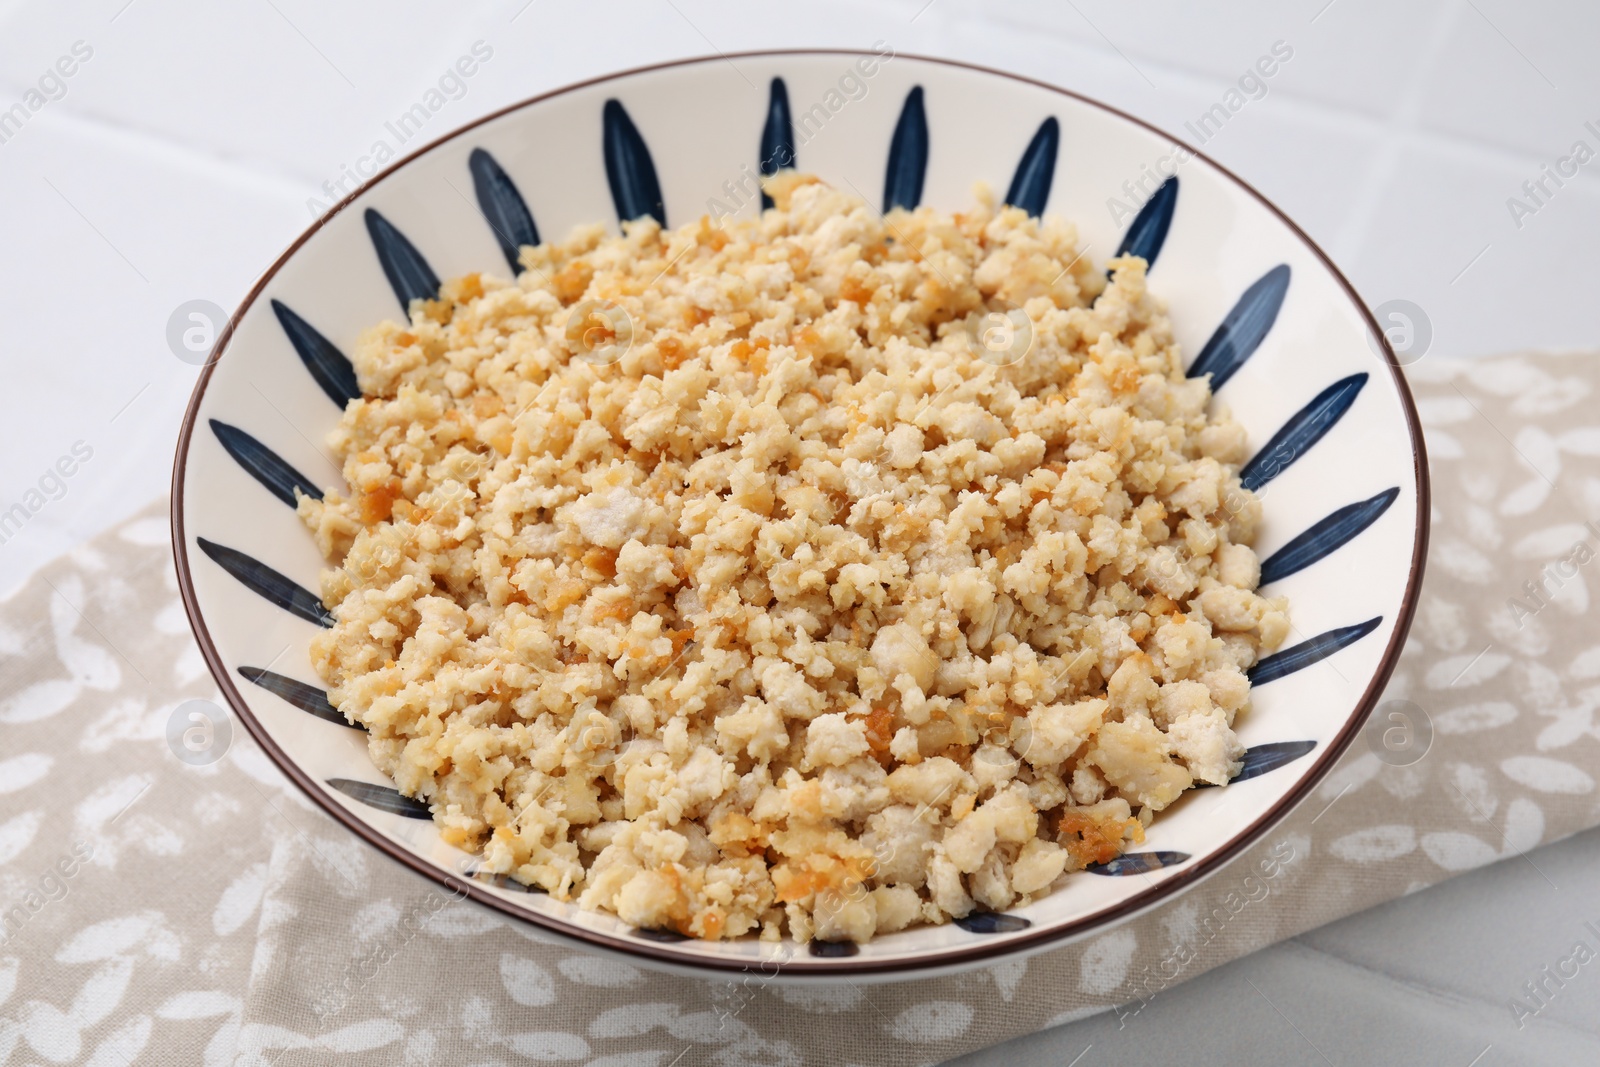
{"x":942,"y":960}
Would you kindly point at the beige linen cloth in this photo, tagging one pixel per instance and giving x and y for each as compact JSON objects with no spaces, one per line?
{"x":161,"y":913}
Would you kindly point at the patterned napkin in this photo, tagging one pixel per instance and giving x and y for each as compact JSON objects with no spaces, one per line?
{"x":166,"y":896}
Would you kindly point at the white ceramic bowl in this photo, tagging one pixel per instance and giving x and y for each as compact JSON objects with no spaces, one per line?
{"x":1293,"y":351}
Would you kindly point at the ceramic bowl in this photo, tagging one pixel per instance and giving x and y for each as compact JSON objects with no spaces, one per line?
{"x":1338,"y":455}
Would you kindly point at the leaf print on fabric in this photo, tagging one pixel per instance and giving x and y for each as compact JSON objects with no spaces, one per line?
{"x":356,"y":1037}
{"x":1471,"y":718}
{"x":548,"y":1046}
{"x":1524,"y":826}
{"x":633,"y":1020}
{"x":108,"y":938}
{"x":38,"y":701}
{"x":934,"y":1020}
{"x":1444,"y":625}
{"x":1550,"y":542}
{"x":85,"y":660}
{"x":1449,"y":410}
{"x":1105,"y":962}
{"x":1456,"y":851}
{"x":8,"y":979}
{"x":19,"y":772}
{"x":1585,"y":664}
{"x":526,"y":982}
{"x":1570,"y":726}
{"x":1546,"y":775}
{"x":822,"y":999}
{"x":110,"y":801}
{"x":1467,"y":670}
{"x":652,"y":1057}
{"x":101,"y":992}
{"x":17,"y":833}
{"x":1584,"y":441}
{"x":239,"y":900}
{"x":49,"y":1032}
{"x":707,"y":1027}
{"x":1375,"y":844}
{"x":1444,"y":446}
{"x":1472,"y":793}
{"x":1462,"y":561}
{"x":123,"y":1045}
{"x":197,"y":1004}
{"x":600,"y":972}
{"x":1008,"y":976}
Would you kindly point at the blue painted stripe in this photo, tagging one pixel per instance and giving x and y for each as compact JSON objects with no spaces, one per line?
{"x":408,"y":273}
{"x":908,"y":155}
{"x":307,"y":698}
{"x":1243,"y":329}
{"x":501,"y":881}
{"x":327,"y":365}
{"x":1139,"y":863}
{"x":631,"y":173}
{"x":1269,"y":757}
{"x":503,"y":207}
{"x":991,"y":922}
{"x":1263,"y":758}
{"x":1305,"y":428}
{"x":263,"y":464}
{"x":777,"y":136}
{"x":832,"y":949}
{"x":1149,"y":230}
{"x":383,"y":797}
{"x":1327,"y":536}
{"x":267,"y":583}
{"x":1036,"y":171}
{"x":1306,"y":653}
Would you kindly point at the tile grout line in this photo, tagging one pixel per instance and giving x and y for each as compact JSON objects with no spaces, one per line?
{"x":1398,"y":132}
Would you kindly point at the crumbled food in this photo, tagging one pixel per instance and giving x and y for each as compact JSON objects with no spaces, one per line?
{"x":754,"y":580}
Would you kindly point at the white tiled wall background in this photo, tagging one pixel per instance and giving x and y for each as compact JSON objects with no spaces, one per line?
{"x":181,"y":157}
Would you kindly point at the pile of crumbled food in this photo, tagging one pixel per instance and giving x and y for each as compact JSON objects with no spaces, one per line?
{"x":773,"y":594}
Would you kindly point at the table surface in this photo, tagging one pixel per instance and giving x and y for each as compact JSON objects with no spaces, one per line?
{"x":179,"y":159}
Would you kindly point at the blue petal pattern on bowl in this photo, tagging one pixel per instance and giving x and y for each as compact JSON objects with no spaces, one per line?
{"x":307,"y":698}
{"x":1139,"y":863}
{"x":1243,"y":329}
{"x":631,"y":173}
{"x":408,"y":273}
{"x":1036,"y":171}
{"x":501,"y":881}
{"x":328,"y":366}
{"x":832,"y":949}
{"x":1269,"y":757}
{"x":1149,"y":230}
{"x":992,"y":922}
{"x":1259,"y":759}
{"x":383,"y":797}
{"x":908,"y":156}
{"x":503,"y":207}
{"x":1305,"y":428}
{"x":777,"y":136}
{"x":268,"y":583}
{"x":264,"y":465}
{"x":1326,"y":536}
{"x":1306,"y":653}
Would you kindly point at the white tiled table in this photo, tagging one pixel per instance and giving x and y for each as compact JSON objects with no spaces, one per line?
{"x":181,"y":156}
